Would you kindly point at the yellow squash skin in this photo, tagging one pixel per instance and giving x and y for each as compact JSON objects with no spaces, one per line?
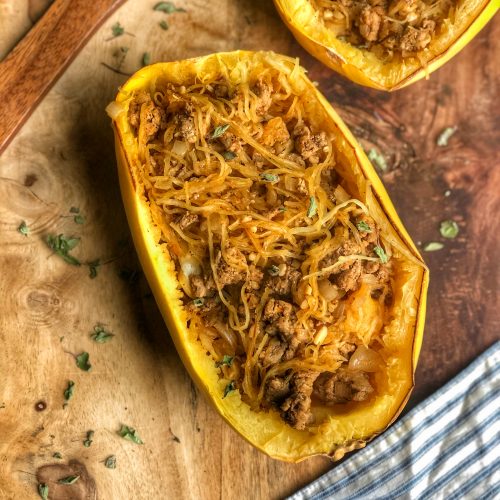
{"x":341,"y":432}
{"x":365,"y":68}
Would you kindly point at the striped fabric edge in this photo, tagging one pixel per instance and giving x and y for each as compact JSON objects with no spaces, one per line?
{"x":436,"y":411}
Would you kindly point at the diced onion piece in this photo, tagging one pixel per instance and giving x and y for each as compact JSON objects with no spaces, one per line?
{"x":114,"y":109}
{"x":189,"y":266}
{"x":341,"y":194}
{"x":320,"y":336}
{"x":180,"y":148}
{"x":366,"y":360}
{"x":328,"y":290}
{"x":226,"y":334}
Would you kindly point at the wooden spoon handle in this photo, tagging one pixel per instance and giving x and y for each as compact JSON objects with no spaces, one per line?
{"x":36,"y":63}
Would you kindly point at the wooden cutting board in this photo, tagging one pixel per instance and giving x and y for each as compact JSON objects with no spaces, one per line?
{"x":64,"y":158}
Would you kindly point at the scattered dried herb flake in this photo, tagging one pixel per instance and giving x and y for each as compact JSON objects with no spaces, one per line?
{"x":219,"y":131}
{"x":69,"y":480}
{"x":57,"y":455}
{"x":163,"y":25}
{"x":88,"y":441}
{"x":363,"y":227}
{"x":69,"y":391}
{"x":267,"y":177}
{"x":226,"y":361}
{"x":313,"y":207}
{"x":229,"y":155}
{"x":146,"y":59}
{"x":117,"y":29}
{"x":449,"y":229}
{"x":110,"y":462}
{"x":380,"y":252}
{"x":229,"y":388}
{"x":167,"y":7}
{"x":61,"y":245}
{"x":130,"y":434}
{"x":100,"y":335}
{"x":82,"y":361}
{"x":433,"y":246}
{"x":93,"y":266}
{"x":273,"y":270}
{"x":23,"y":228}
{"x":43,"y":491}
{"x":378,"y":159}
{"x":445,"y":136}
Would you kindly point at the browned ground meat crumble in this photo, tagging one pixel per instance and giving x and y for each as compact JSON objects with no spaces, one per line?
{"x":387,"y":26}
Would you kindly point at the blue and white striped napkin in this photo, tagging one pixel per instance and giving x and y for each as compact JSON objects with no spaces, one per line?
{"x":448,"y":447}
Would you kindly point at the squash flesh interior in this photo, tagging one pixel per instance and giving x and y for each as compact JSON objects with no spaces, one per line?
{"x":386,"y":67}
{"x":180,"y":158}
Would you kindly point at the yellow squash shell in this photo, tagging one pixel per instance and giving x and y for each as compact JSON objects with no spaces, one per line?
{"x":342,"y":430}
{"x":364,"y":67}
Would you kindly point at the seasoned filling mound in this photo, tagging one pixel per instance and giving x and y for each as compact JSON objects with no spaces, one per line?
{"x":387,"y":27}
{"x":286,"y":278}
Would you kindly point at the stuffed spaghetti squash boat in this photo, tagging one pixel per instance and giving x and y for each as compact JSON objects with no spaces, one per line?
{"x":385,"y":44}
{"x":294,"y":295}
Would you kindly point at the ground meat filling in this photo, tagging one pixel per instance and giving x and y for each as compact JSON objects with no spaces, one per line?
{"x":251,"y":300}
{"x":342,"y":386}
{"x":387,"y":27}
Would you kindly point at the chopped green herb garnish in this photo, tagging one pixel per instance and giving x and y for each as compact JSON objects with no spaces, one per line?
{"x":69,"y":391}
{"x":219,"y":130}
{"x":69,"y":480}
{"x":226,"y":361}
{"x":23,"y":228}
{"x":79,"y":219}
{"x":363,"y":227}
{"x":273,"y":270}
{"x":43,"y":491}
{"x":378,"y":159}
{"x":164,"y":25}
{"x":229,"y":155}
{"x":117,"y":29}
{"x":62,"y":245}
{"x":282,"y":209}
{"x":433,"y":246}
{"x":449,"y":229}
{"x":82,"y":361}
{"x":100,"y":335}
{"x":168,"y":7}
{"x":273,"y":178}
{"x":110,"y":462}
{"x":229,"y":388}
{"x":313,"y":207}
{"x":88,"y":441}
{"x":74,"y":210}
{"x":93,"y":265}
{"x":198,"y":302}
{"x":146,"y":59}
{"x":379,"y":251}
{"x":130,"y":434}
{"x":445,"y":136}
{"x":57,"y":455}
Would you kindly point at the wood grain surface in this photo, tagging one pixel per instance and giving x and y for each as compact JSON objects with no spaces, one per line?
{"x":64,"y":157}
{"x":31,"y":68}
